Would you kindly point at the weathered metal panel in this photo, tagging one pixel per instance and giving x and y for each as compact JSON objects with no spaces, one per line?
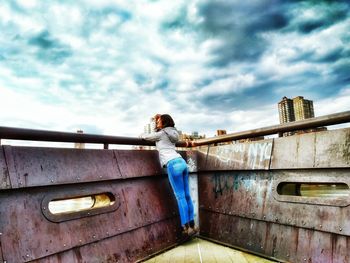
{"x":28,"y":235}
{"x":333,"y":149}
{"x":328,"y":149}
{"x":289,"y":243}
{"x":4,"y":173}
{"x":138,"y":163}
{"x":127,"y":247}
{"x":239,"y":156}
{"x":253,"y":195}
{"x":239,"y":207}
{"x":51,"y":166}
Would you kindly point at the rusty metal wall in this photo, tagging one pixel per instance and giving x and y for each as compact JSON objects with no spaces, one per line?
{"x":238,"y":202}
{"x":29,"y":166}
{"x":144,"y":221}
{"x":240,"y":205}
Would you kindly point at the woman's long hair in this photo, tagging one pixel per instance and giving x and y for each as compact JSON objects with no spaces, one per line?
{"x":167,"y":121}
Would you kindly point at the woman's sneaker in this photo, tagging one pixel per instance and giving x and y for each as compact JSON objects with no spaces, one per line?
{"x":192,"y":231}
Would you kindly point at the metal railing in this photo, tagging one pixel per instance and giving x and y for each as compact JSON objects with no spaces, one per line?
{"x":332,"y":119}
{"x":55,"y":136}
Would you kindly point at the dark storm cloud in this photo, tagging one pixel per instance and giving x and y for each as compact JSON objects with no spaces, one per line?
{"x":308,"y":26}
{"x":238,"y":25}
{"x":271,"y":91}
{"x":333,"y":55}
{"x":273,"y":20}
{"x":240,"y":28}
{"x":49,"y":49}
{"x":43,"y":40}
{"x":324,"y":20}
{"x":342,"y":72}
{"x":250,"y":98}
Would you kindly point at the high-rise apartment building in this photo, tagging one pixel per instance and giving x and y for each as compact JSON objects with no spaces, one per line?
{"x":286,"y":110}
{"x":303,"y":109}
{"x":79,"y":145}
{"x":150,"y":127}
{"x":295,"y":109}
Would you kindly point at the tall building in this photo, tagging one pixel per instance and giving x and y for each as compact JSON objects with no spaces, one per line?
{"x":150,"y":127}
{"x":79,"y":145}
{"x":303,"y":109}
{"x":296,"y":109}
{"x":220,"y":132}
{"x":286,"y":110}
{"x":147,"y":128}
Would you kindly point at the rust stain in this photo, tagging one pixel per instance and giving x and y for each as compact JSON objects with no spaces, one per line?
{"x":334,"y":247}
{"x":125,"y":202}
{"x":347,"y":257}
{"x":296,"y":240}
{"x":78,"y":255}
{"x":59,"y":259}
{"x":267,"y":234}
{"x":274,"y":242}
{"x":264,"y":197}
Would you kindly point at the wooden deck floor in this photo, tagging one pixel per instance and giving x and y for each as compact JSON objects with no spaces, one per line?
{"x":203,"y":251}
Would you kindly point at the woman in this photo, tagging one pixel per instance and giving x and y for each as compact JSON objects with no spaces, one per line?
{"x":165,"y":137}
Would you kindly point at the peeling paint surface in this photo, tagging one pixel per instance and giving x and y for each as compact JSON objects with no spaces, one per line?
{"x":247,"y":156}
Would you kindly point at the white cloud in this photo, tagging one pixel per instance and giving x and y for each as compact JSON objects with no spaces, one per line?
{"x":226,"y":86}
{"x":332,"y":105}
{"x":27,"y":3}
{"x":23,"y":22}
{"x":61,"y":18}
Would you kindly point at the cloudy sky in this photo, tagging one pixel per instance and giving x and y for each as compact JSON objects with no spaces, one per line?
{"x":106,"y":66}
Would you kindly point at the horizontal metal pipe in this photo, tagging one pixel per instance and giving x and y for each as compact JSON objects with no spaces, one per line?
{"x":332,"y":119}
{"x":55,"y":136}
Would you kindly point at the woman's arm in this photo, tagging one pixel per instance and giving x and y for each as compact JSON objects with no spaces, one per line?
{"x":154,"y":136}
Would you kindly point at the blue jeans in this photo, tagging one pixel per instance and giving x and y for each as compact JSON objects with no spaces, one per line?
{"x":178,"y":177}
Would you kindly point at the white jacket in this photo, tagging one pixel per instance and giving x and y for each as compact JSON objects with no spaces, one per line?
{"x":165,"y":143}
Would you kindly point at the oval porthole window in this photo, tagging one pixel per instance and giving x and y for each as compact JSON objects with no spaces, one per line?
{"x":323,"y":190}
{"x":77,"y":204}
{"x":57,"y":208}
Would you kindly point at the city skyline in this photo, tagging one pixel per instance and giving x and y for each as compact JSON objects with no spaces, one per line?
{"x":107,"y":68}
